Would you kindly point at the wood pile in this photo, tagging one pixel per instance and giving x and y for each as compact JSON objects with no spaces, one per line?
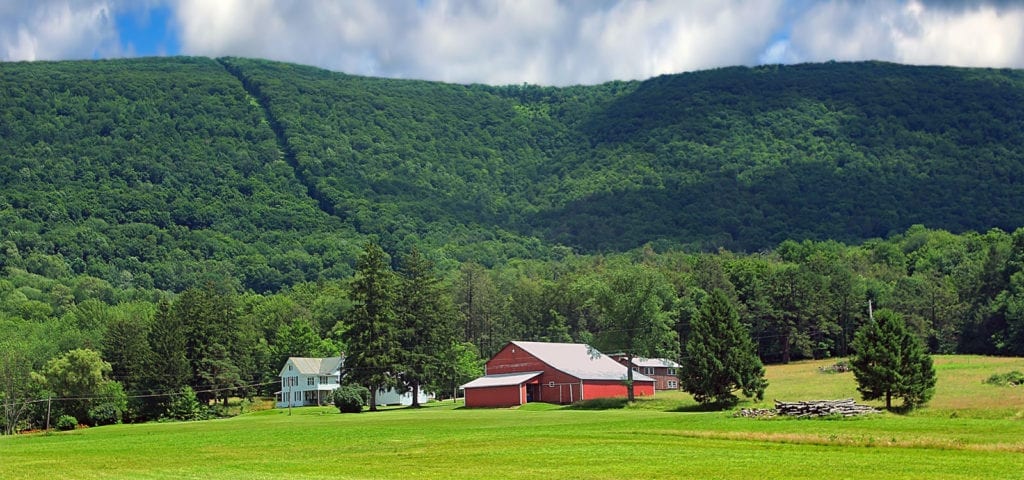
{"x":822,"y":408}
{"x":755,"y":413}
{"x":812,"y":409}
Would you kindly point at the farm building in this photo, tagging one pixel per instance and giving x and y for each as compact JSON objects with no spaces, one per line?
{"x":551,"y":372}
{"x":309,"y":381}
{"x":665,"y":372}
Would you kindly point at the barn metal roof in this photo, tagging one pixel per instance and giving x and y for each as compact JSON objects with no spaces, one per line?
{"x":579,"y":360}
{"x":501,"y":380}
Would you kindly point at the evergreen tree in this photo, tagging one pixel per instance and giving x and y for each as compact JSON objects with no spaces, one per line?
{"x":168,"y":368}
{"x":126,"y":347}
{"x":720,"y":355}
{"x":426,"y":326}
{"x":214,"y":340}
{"x":372,"y":337}
{"x":889,"y":362}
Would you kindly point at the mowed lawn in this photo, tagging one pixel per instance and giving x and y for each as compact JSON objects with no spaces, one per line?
{"x":970,"y":430}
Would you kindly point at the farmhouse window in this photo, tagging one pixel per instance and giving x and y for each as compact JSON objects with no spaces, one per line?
{"x":648,"y":370}
{"x":671,"y":384}
{"x":671,"y":371}
{"x":310,"y":381}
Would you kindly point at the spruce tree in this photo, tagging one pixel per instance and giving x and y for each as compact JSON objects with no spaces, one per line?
{"x":426,"y":327}
{"x":889,"y":362}
{"x":373,"y":358}
{"x":168,"y":369}
{"x":720,"y":355}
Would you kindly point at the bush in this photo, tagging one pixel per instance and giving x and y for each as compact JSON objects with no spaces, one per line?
{"x":66,"y":422}
{"x":350,"y":398}
{"x":111,"y":407}
{"x":1011,"y":379}
{"x":185,"y":406}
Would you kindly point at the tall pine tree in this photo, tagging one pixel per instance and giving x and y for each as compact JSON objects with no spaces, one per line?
{"x":374,"y":353}
{"x":889,"y":362}
{"x":167,"y":369}
{"x":720,"y":355}
{"x":426,"y":323}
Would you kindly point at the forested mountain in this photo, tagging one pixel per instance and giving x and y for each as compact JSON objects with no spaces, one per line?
{"x":197,"y":221}
{"x":150,"y":172}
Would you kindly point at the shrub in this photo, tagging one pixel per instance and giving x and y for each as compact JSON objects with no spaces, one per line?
{"x":185,"y":406}
{"x":350,"y":398}
{"x":111,"y":407}
{"x":1011,"y":379}
{"x":66,"y":422}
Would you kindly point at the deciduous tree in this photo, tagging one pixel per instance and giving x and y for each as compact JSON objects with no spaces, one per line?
{"x":636,"y":315}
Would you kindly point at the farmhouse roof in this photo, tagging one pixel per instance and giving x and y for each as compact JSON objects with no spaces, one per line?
{"x":502,"y":380}
{"x":316,"y":366}
{"x":654,"y":362}
{"x":579,"y":360}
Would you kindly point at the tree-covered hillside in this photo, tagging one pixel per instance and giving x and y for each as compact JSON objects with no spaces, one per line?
{"x":153,"y":173}
{"x":746,"y":158}
{"x":160,"y":172}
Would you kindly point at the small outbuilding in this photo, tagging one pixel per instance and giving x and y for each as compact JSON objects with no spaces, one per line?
{"x":562,"y":373}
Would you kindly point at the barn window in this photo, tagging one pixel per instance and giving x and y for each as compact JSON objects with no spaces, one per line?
{"x":671,"y":371}
{"x":648,"y":370}
{"x":671,"y":384}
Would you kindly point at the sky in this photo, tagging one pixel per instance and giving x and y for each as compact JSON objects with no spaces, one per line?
{"x":499,"y":42}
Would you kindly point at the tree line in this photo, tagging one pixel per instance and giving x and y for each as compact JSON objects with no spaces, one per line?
{"x":403,"y":321}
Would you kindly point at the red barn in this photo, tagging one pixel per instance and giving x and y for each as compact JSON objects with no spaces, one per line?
{"x":551,"y":372}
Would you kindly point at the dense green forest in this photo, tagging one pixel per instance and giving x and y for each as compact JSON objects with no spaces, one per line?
{"x":226,"y":204}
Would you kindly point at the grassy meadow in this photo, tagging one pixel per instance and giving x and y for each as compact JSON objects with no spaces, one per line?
{"x":969,"y":430}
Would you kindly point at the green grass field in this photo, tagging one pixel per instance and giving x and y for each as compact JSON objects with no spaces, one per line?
{"x":969,"y":430}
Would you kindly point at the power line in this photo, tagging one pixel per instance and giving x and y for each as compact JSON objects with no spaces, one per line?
{"x":149,"y":395}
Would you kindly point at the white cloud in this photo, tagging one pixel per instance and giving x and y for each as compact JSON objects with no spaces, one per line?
{"x":537,"y":41}
{"x":914,"y":32}
{"x":52,"y":29}
{"x":491,"y":41}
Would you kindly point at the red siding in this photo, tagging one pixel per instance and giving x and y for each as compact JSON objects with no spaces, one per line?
{"x":504,"y":396}
{"x":555,"y":386}
{"x":513,"y":359}
{"x":612,"y":388}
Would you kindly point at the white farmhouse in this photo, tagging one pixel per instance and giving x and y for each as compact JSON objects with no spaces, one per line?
{"x":308,"y":381}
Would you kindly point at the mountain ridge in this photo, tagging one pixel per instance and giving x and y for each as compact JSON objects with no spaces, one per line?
{"x":276,"y":173}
